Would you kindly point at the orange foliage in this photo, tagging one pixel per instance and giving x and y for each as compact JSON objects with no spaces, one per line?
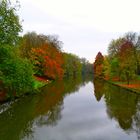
{"x":98,"y":65}
{"x":49,"y":60}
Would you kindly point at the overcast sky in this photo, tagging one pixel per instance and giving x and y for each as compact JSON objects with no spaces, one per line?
{"x":84,"y":26}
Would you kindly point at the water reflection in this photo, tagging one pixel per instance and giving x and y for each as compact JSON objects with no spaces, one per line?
{"x":98,"y":89}
{"x":121,"y":105}
{"x":21,"y":119}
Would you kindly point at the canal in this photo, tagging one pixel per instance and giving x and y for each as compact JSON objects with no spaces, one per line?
{"x":73,"y":109}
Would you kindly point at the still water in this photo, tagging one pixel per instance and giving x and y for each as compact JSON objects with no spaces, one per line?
{"x":73,"y":109}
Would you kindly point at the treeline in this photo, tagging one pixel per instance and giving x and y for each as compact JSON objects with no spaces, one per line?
{"x":123,"y":60}
{"x":45,"y":53}
{"x":23,"y":58}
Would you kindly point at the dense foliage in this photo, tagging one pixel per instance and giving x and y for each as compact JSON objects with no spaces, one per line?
{"x":47,"y":62}
{"x":9,"y":23}
{"x":16,"y":73}
{"x":24,"y":60}
{"x":123,"y":60}
{"x":98,"y":65}
{"x":72,"y":64}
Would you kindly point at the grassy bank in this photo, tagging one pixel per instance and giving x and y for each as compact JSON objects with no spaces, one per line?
{"x":134,"y":86}
{"x":39,"y":82}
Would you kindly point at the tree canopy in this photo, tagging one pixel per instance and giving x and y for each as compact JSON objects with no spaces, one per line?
{"x":123,"y":60}
{"x":10,"y":25}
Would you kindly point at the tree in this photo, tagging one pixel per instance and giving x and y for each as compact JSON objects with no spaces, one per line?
{"x":115,"y":70}
{"x":45,"y":53}
{"x":33,"y":40}
{"x":47,"y":61}
{"x":30,"y":40}
{"x":106,"y":67}
{"x":9,"y":23}
{"x":114,"y":47}
{"x":135,"y":40}
{"x":54,"y":41}
{"x":16,"y":74}
{"x":98,"y":65}
{"x":127,"y":61}
{"x":87,"y":68}
{"x":72,"y":64}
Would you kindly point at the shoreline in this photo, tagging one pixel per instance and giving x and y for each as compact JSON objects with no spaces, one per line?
{"x":40,"y":83}
{"x":136,"y":91}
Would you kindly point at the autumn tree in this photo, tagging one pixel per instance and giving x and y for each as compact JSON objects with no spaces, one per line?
{"x":106,"y":67}
{"x":10,"y":25}
{"x":47,"y":61}
{"x":115,"y":49}
{"x":98,"y":65}
{"x":33,"y":40}
{"x":44,"y":51}
{"x":134,"y":38}
{"x":127,"y":61}
{"x":123,"y":60}
{"x":29,"y":40}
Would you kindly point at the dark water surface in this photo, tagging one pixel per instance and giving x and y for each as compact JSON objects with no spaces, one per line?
{"x":73,"y":109}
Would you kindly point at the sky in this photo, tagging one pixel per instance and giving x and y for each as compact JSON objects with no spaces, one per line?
{"x":84,"y":26}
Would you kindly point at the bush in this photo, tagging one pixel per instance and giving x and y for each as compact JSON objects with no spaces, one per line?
{"x":16,"y":73}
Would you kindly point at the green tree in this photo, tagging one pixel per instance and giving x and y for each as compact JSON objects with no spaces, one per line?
{"x":134,"y":38}
{"x":72,"y":64}
{"x":114,"y":47}
{"x":87,"y":68}
{"x":114,"y":68}
{"x":9,"y":23}
{"x":106,"y":67}
{"x":16,"y":73}
{"x":127,"y":62}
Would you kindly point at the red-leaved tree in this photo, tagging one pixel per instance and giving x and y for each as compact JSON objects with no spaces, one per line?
{"x":48,"y":61}
{"x":98,"y":65}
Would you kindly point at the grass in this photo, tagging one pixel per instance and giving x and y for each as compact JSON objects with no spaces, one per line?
{"x":40,"y":82}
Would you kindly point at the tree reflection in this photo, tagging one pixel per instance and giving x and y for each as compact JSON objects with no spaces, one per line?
{"x":98,"y":89}
{"x":50,"y":104}
{"x":121,"y":105}
{"x":136,"y":124}
{"x":20,"y":119}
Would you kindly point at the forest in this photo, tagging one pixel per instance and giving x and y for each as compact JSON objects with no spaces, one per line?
{"x":30,"y":61}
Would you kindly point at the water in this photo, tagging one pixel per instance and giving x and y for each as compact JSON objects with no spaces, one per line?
{"x":73,"y":109}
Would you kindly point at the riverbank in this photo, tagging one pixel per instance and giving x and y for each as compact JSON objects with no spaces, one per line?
{"x":133,"y":86}
{"x":38,"y":83}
